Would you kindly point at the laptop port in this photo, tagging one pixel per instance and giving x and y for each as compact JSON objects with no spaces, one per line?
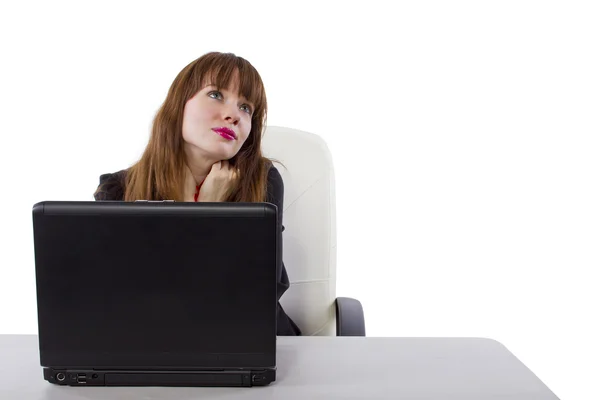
{"x":60,"y":377}
{"x":81,"y":378}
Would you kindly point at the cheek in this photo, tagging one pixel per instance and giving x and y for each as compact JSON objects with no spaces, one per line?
{"x":246,"y":132}
{"x":201,"y":110}
{"x":204,"y":116}
{"x":197,"y":120}
{"x":247,"y":126}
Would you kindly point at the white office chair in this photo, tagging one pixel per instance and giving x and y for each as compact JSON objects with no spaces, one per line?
{"x":309,"y":239}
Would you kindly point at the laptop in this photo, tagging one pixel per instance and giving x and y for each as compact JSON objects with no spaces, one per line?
{"x":156,"y":293}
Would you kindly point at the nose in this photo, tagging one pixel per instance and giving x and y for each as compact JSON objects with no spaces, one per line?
{"x":232,"y":121}
{"x":232,"y":115}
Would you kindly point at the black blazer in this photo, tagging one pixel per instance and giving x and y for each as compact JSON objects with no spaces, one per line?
{"x":112,"y":187}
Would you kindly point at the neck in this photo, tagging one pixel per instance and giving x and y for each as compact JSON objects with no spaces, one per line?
{"x":198,"y":164}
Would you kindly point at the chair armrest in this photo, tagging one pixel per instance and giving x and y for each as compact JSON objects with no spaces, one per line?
{"x":350,"y":320}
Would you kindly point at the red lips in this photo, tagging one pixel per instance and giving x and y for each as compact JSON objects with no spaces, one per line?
{"x":225,"y":132}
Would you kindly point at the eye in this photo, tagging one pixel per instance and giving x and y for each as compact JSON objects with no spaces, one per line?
{"x":215,"y":95}
{"x":246,"y":108}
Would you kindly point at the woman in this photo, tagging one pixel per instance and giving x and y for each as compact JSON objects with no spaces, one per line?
{"x":205,"y":145}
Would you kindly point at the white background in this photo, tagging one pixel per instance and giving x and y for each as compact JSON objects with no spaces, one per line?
{"x":465,"y":137}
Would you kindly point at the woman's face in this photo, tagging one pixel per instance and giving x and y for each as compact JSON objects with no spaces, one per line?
{"x":217,"y":122}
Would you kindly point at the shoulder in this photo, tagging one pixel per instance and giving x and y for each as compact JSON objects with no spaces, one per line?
{"x":113,"y":177}
{"x":274,"y":178}
{"x":274,"y":186}
{"x":275,"y":190}
{"x":111,"y":186}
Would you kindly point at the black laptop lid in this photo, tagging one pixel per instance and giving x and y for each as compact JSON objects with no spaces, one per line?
{"x":156,"y":284}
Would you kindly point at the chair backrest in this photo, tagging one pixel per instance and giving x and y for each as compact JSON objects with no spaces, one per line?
{"x":309,"y":238}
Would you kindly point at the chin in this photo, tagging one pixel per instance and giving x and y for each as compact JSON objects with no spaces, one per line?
{"x":223,"y":155}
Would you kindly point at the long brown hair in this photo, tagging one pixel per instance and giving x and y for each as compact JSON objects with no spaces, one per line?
{"x":159,"y":174}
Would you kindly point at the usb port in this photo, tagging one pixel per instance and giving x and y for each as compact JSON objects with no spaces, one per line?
{"x":81,"y":378}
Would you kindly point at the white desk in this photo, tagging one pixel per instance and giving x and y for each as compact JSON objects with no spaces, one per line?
{"x":310,"y":368}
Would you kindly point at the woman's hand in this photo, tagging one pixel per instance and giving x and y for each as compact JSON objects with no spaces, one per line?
{"x":221,"y":178}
